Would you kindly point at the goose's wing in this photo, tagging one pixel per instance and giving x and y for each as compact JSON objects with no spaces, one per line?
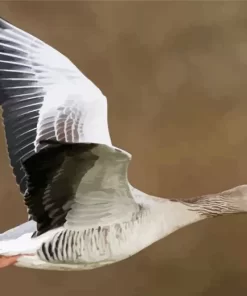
{"x":44,"y":96}
{"x":78,"y":185}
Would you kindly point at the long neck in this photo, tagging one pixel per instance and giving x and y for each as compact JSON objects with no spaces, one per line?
{"x":170,"y":215}
{"x":176,"y":215}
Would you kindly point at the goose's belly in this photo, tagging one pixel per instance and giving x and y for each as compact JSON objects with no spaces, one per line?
{"x":35,"y":262}
{"x":95,"y":247}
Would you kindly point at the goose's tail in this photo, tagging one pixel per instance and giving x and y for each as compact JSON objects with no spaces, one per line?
{"x":14,"y":233}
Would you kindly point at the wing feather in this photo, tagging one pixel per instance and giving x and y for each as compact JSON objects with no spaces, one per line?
{"x":54,"y":196}
{"x":44,"y":96}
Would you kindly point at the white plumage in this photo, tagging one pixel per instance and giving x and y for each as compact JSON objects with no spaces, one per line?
{"x":84,"y":213}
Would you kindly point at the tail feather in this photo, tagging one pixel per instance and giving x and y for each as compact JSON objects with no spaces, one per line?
{"x":14,"y":233}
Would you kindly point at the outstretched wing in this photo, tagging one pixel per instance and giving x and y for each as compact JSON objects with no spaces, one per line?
{"x":44,"y":96}
{"x":55,"y":175}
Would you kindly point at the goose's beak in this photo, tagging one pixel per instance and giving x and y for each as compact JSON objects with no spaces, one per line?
{"x":6,"y":261}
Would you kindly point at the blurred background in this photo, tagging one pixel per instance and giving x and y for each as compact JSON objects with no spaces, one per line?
{"x":175,"y":77}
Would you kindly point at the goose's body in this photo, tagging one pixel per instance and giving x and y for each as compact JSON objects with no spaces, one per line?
{"x":97,"y":246}
{"x":83,"y":212}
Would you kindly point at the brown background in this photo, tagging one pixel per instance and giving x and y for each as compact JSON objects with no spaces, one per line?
{"x":175,"y":75}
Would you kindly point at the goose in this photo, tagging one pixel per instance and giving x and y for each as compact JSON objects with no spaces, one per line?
{"x":82,"y":212}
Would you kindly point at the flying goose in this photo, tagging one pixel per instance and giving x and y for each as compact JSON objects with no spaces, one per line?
{"x":82,"y":211}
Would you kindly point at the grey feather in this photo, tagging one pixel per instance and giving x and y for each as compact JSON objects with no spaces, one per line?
{"x":14,"y":233}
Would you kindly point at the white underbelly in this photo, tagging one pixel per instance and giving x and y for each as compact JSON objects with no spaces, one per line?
{"x":104,"y":246}
{"x":35,"y":262}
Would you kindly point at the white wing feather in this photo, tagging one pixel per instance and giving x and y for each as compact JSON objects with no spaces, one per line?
{"x":44,"y":96}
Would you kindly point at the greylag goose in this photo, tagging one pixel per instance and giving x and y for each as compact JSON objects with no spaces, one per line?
{"x":82,"y":211}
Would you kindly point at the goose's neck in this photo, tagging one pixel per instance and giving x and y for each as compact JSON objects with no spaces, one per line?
{"x":165,"y":217}
{"x":175,"y":215}
{"x":169,"y":215}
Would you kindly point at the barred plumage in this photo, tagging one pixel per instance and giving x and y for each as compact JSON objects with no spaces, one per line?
{"x":77,"y":191}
